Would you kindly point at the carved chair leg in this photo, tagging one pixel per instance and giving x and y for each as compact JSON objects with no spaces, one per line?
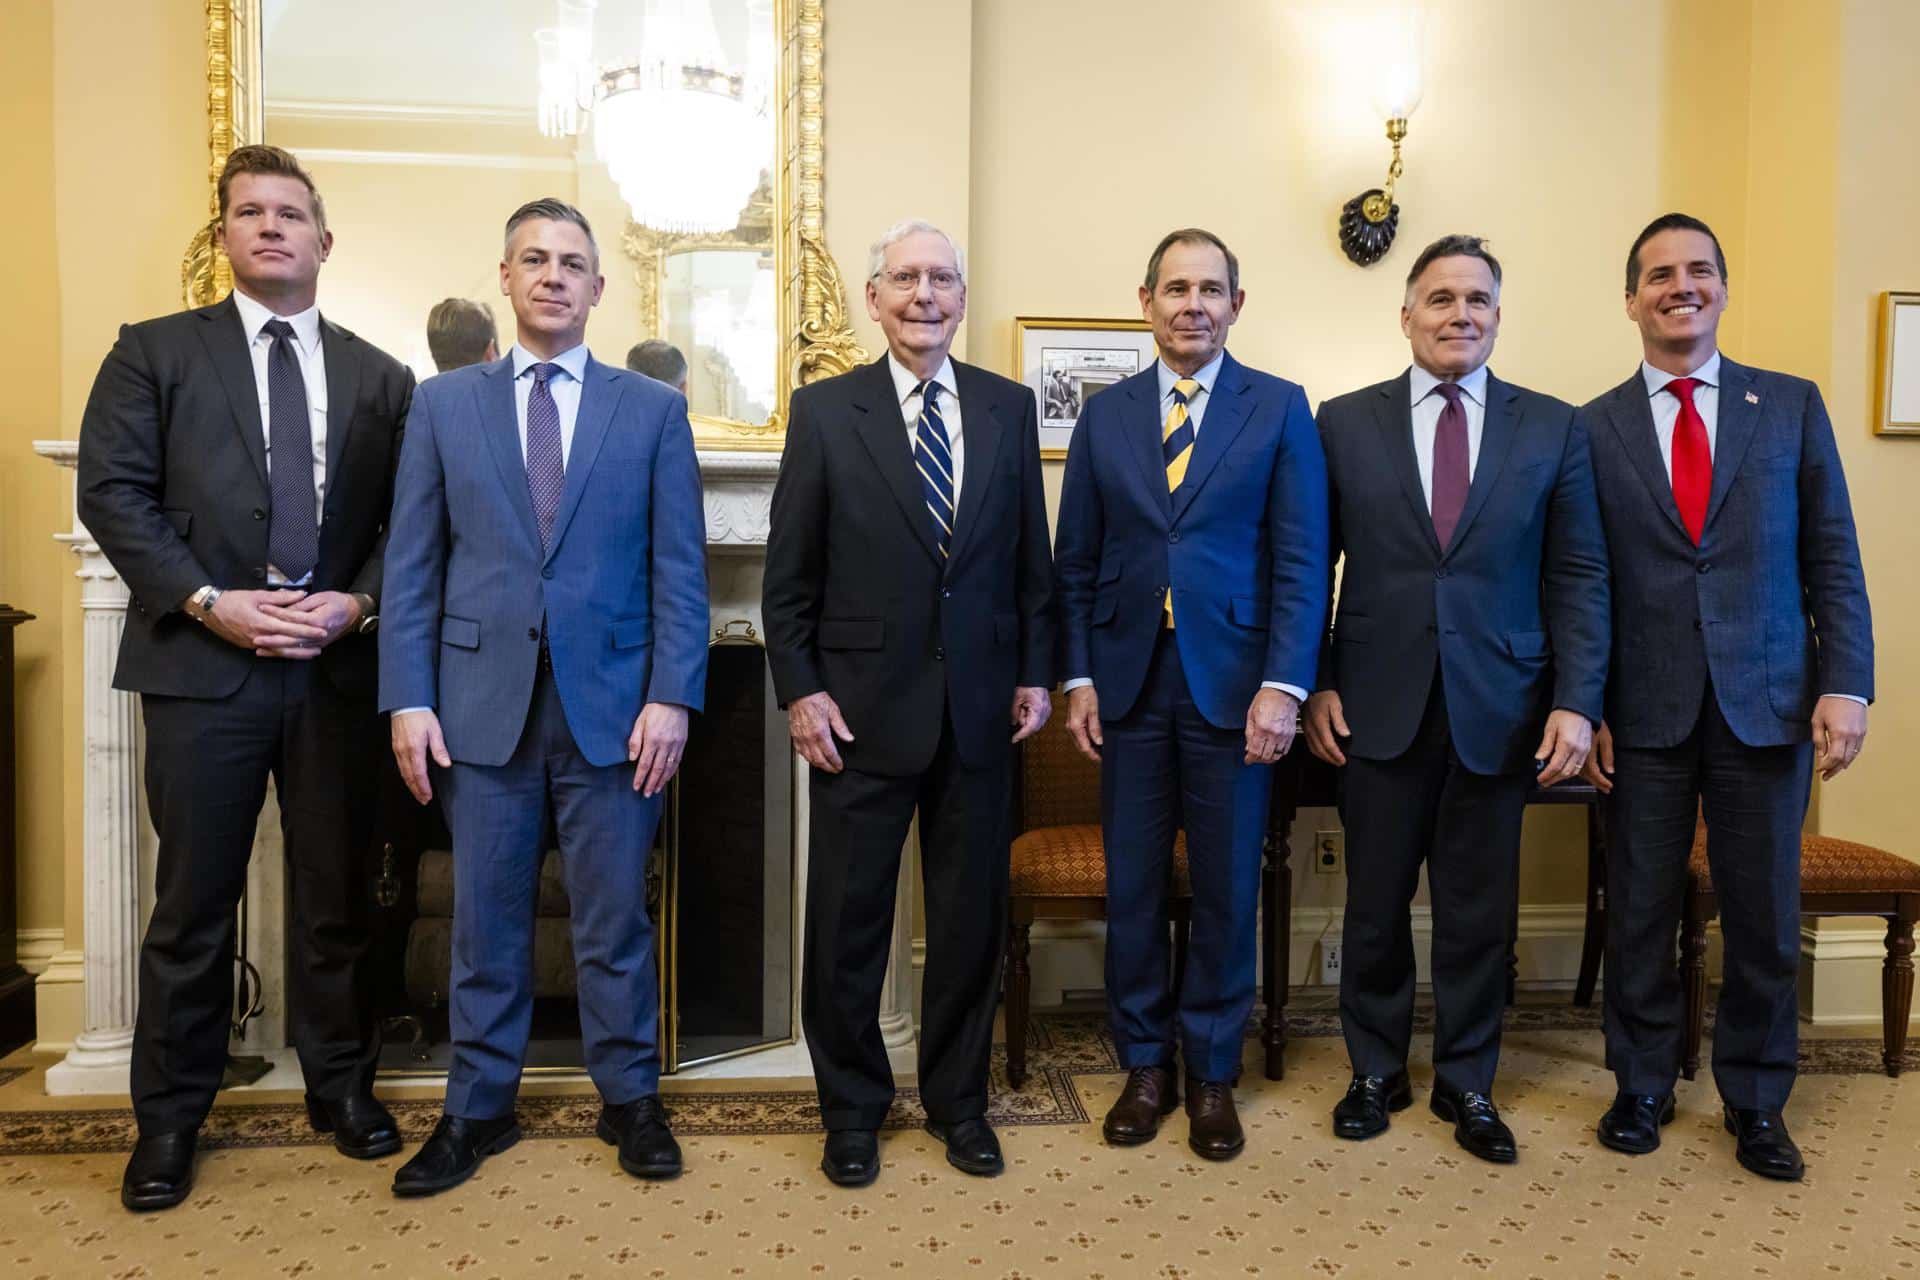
{"x":1019,"y":993}
{"x":1896,"y":983}
{"x":1693,"y":980}
{"x":1593,"y":942}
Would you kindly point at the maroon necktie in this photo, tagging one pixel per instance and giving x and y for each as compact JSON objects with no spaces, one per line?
{"x":1692,"y":460}
{"x":1449,"y":464}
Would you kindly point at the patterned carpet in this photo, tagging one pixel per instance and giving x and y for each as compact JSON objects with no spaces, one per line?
{"x":271,"y":1202}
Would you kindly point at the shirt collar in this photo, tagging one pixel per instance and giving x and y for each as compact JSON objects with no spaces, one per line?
{"x":1208,"y":374}
{"x":1657,"y":379}
{"x":572,"y":361}
{"x":1422,"y":384}
{"x":905,"y":383}
{"x":254,"y":316}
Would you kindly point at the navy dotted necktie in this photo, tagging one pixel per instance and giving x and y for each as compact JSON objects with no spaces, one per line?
{"x":546,"y":467}
{"x":293,"y":529}
{"x":934,"y":458}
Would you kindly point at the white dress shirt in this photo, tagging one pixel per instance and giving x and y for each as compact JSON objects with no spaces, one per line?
{"x":1427,"y":406}
{"x":1666,"y":406}
{"x":906,"y":390}
{"x":565,"y":389}
{"x":313,"y":370}
{"x":1206,"y":376}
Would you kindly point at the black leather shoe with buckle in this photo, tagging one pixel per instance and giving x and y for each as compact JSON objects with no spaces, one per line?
{"x":1363,"y":1112}
{"x":1477,"y":1125}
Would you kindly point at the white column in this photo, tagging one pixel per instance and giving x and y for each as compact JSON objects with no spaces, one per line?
{"x":111,"y":836}
{"x":896,"y":996}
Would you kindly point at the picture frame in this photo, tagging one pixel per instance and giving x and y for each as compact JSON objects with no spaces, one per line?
{"x":1064,"y":360}
{"x":1899,"y":411}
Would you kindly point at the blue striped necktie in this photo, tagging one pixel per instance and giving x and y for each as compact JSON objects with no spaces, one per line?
{"x":933,"y":457}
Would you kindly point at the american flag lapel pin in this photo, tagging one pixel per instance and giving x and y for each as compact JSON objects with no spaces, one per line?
{"x":1752,"y":398}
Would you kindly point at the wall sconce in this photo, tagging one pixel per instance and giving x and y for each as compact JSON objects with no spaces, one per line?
{"x":1369,"y":220}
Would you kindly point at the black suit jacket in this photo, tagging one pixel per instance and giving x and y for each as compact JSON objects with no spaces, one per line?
{"x":1771,"y":606}
{"x":1514,"y":611}
{"x":857,"y":601}
{"x":173,"y":486}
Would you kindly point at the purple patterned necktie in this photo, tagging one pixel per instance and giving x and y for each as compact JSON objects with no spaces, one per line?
{"x":546,"y":470}
{"x":1449,"y":464}
{"x":293,"y":529}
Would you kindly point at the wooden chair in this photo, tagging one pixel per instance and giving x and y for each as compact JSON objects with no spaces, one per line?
{"x":1837,"y":878}
{"x":1059,"y":872}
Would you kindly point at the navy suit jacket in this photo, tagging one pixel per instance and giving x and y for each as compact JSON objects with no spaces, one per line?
{"x":1513,"y":612}
{"x":1771,"y":607}
{"x":622,"y":586}
{"x":1242,"y":543}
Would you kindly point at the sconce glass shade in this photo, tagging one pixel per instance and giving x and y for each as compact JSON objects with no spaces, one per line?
{"x":1396,"y":82}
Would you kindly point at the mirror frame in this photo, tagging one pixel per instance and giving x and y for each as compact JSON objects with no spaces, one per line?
{"x":816,"y":333}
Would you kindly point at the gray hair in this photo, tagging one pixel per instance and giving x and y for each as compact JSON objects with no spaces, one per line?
{"x":659,"y":360}
{"x":1454,"y":246}
{"x":553,"y":209}
{"x":877,"y":256}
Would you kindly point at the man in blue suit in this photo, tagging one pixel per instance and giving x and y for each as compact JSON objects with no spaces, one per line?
{"x":1191,"y":556}
{"x":1470,"y":649}
{"x":1742,"y":662}
{"x":544,"y":640}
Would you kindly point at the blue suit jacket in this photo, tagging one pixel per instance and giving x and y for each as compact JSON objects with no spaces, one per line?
{"x":1242,"y":543}
{"x":1513,"y":611}
{"x":1771,"y":606}
{"x":622,"y":586}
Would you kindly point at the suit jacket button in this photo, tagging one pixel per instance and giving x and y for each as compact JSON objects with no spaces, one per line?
{"x":945,"y":594}
{"x":259,"y":575}
{"x":1174,"y":536}
{"x":1441,"y":572}
{"x":533,"y":633}
{"x":1696,"y":624}
{"x":547,"y":572}
{"x":258,"y":514}
{"x":1705,"y":566}
{"x":940,"y":655}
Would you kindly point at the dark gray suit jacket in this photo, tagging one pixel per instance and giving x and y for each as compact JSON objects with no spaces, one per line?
{"x":1771,"y":607}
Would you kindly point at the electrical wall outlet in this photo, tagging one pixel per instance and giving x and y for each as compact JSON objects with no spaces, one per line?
{"x":1329,"y":964}
{"x":1330,"y":852}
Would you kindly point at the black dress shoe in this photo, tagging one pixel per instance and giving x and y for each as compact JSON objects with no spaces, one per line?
{"x":1213,"y":1122}
{"x":360,"y":1125}
{"x":971,"y":1146}
{"x":1149,"y":1095}
{"x":1632,"y":1123}
{"x":455,"y":1150}
{"x":1763,"y":1145}
{"x":852,"y":1157}
{"x":160,"y":1170}
{"x":1363,"y":1112}
{"x":1477,"y":1125}
{"x":639,"y":1129}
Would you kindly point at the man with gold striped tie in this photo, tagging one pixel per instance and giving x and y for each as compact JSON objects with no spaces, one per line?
{"x":910,"y":628}
{"x":1192,"y":561}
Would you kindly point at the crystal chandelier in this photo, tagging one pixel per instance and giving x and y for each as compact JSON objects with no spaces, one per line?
{"x":681,"y":131}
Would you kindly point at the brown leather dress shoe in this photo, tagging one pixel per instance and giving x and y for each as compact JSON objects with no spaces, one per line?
{"x":1213,"y":1126}
{"x":1150,"y":1093}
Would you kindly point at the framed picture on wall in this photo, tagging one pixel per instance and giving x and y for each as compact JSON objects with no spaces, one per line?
{"x":1899,"y":366}
{"x":1065,"y":362}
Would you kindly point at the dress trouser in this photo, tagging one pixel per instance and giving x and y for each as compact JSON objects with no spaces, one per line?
{"x":1425,"y":806}
{"x":1165,"y":767}
{"x":857,"y":826}
{"x":605,"y":830}
{"x":207,"y":765}
{"x":1754,"y":800}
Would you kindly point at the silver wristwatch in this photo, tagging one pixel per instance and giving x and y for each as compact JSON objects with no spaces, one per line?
{"x":204,"y":599}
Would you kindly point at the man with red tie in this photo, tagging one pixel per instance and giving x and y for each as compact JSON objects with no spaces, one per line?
{"x":1742,"y":661}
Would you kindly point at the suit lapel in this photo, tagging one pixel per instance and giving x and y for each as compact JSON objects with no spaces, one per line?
{"x":599,"y":395}
{"x":500,"y":426}
{"x":1142,"y":426}
{"x":981,"y":429}
{"x":342,"y":355}
{"x":1733,"y":432}
{"x":877,"y":422}
{"x":1226,"y":416}
{"x":1497,"y":428}
{"x":1393,"y":419}
{"x":1632,"y":417}
{"x":226,"y":343}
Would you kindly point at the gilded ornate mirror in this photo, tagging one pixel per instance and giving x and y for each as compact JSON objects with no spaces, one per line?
{"x":688,"y":131}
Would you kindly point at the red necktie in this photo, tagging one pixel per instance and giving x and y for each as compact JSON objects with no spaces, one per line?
{"x":1450,"y":478}
{"x":1692,"y":460}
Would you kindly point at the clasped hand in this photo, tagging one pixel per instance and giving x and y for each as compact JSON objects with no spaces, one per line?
{"x":286,"y":623}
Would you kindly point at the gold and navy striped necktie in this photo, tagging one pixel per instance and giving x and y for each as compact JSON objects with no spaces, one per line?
{"x":1176,"y":449}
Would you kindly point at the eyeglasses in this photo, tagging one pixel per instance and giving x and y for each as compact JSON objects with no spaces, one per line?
{"x":907,"y":279}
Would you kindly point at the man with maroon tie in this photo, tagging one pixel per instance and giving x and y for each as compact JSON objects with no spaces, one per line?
{"x":1742,"y":661}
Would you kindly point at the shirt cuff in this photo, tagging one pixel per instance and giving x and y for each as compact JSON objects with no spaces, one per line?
{"x":1299,"y":694}
{"x":1850,"y":697}
{"x":1078,"y":682}
{"x":405,"y":711}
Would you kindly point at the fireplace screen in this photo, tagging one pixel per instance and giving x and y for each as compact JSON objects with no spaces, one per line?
{"x":720,"y":881}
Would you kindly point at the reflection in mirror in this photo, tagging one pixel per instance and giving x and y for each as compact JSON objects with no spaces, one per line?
{"x":655,"y":117}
